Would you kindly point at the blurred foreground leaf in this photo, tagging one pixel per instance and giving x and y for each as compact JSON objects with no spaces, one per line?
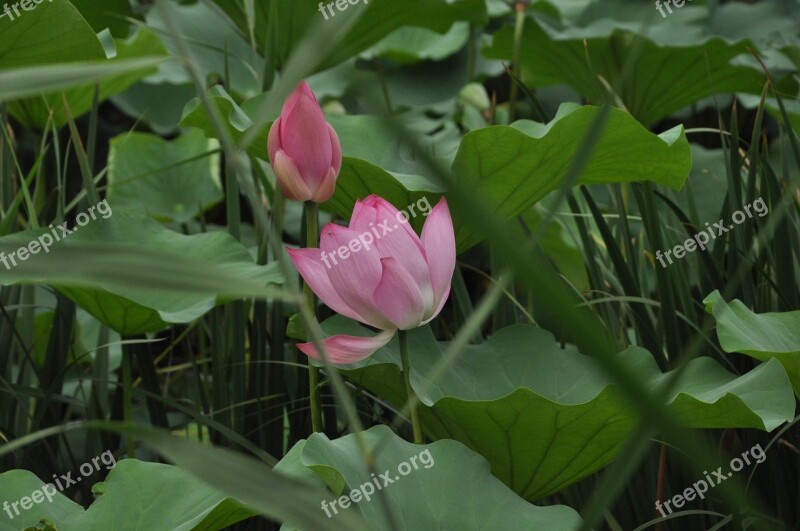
{"x":148,"y":277}
{"x":122,"y":72}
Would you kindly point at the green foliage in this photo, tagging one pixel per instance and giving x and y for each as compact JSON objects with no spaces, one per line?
{"x":764,"y":337}
{"x":575,"y":142}
{"x":543,"y":429}
{"x":51,"y":33}
{"x":131,"y":498}
{"x":450,"y":483}
{"x":38,"y":110}
{"x":511,"y":168}
{"x":187,"y":276}
{"x":174,"y":181}
{"x":379,"y":19}
{"x":668,"y":77}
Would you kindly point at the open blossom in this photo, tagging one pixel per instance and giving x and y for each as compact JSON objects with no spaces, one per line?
{"x":304,"y":149}
{"x":398,"y":281}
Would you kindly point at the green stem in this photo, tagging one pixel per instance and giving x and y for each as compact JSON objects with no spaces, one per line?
{"x":472,"y":44}
{"x":405,"y":356}
{"x":518,"y":27}
{"x":384,"y":86}
{"x":312,"y":231}
{"x":127,"y":405}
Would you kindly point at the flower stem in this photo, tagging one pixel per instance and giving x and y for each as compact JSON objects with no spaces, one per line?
{"x":405,"y":357}
{"x":127,"y":400}
{"x":312,"y":232}
{"x":519,"y":25}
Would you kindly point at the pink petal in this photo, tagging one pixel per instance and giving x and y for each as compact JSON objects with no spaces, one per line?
{"x":398,"y":296}
{"x":372,"y":200}
{"x":326,"y":188}
{"x":305,"y":136}
{"x":336,"y":150}
{"x":399,"y":241}
{"x":305,"y":89}
{"x":363,"y":218}
{"x":377,"y":201}
{"x":289,"y":178}
{"x":394,"y":214}
{"x":342,"y":349}
{"x":274,"y":140}
{"x":312,"y":268}
{"x":301,"y":91}
{"x":355,"y":275}
{"x":439,"y":241}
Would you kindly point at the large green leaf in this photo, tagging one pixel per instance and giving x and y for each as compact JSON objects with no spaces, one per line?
{"x":512,"y":167}
{"x":132,"y":498}
{"x":237,"y":122}
{"x":136,"y":496}
{"x":379,"y":19}
{"x":560,"y":248}
{"x":35,"y":111}
{"x":761,"y":336}
{"x":219,"y":53}
{"x":51,"y":32}
{"x":249,"y":480}
{"x":410,"y":44}
{"x":546,"y":417}
{"x":148,"y":277}
{"x":450,"y":485}
{"x":662,"y":78}
{"x":53,"y":48}
{"x":171,"y":180}
{"x":15,"y":484}
{"x":707,"y":186}
{"x":376,"y":163}
{"x":159,"y":105}
{"x":107,"y":14}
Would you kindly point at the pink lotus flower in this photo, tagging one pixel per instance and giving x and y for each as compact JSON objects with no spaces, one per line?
{"x":304,"y":150}
{"x":398,"y":281}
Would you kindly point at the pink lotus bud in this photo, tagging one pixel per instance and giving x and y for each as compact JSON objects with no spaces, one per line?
{"x":304,"y":150}
{"x":378,"y":271}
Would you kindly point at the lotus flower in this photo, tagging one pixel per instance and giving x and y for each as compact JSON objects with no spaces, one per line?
{"x":379,"y":272}
{"x":304,"y":150}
